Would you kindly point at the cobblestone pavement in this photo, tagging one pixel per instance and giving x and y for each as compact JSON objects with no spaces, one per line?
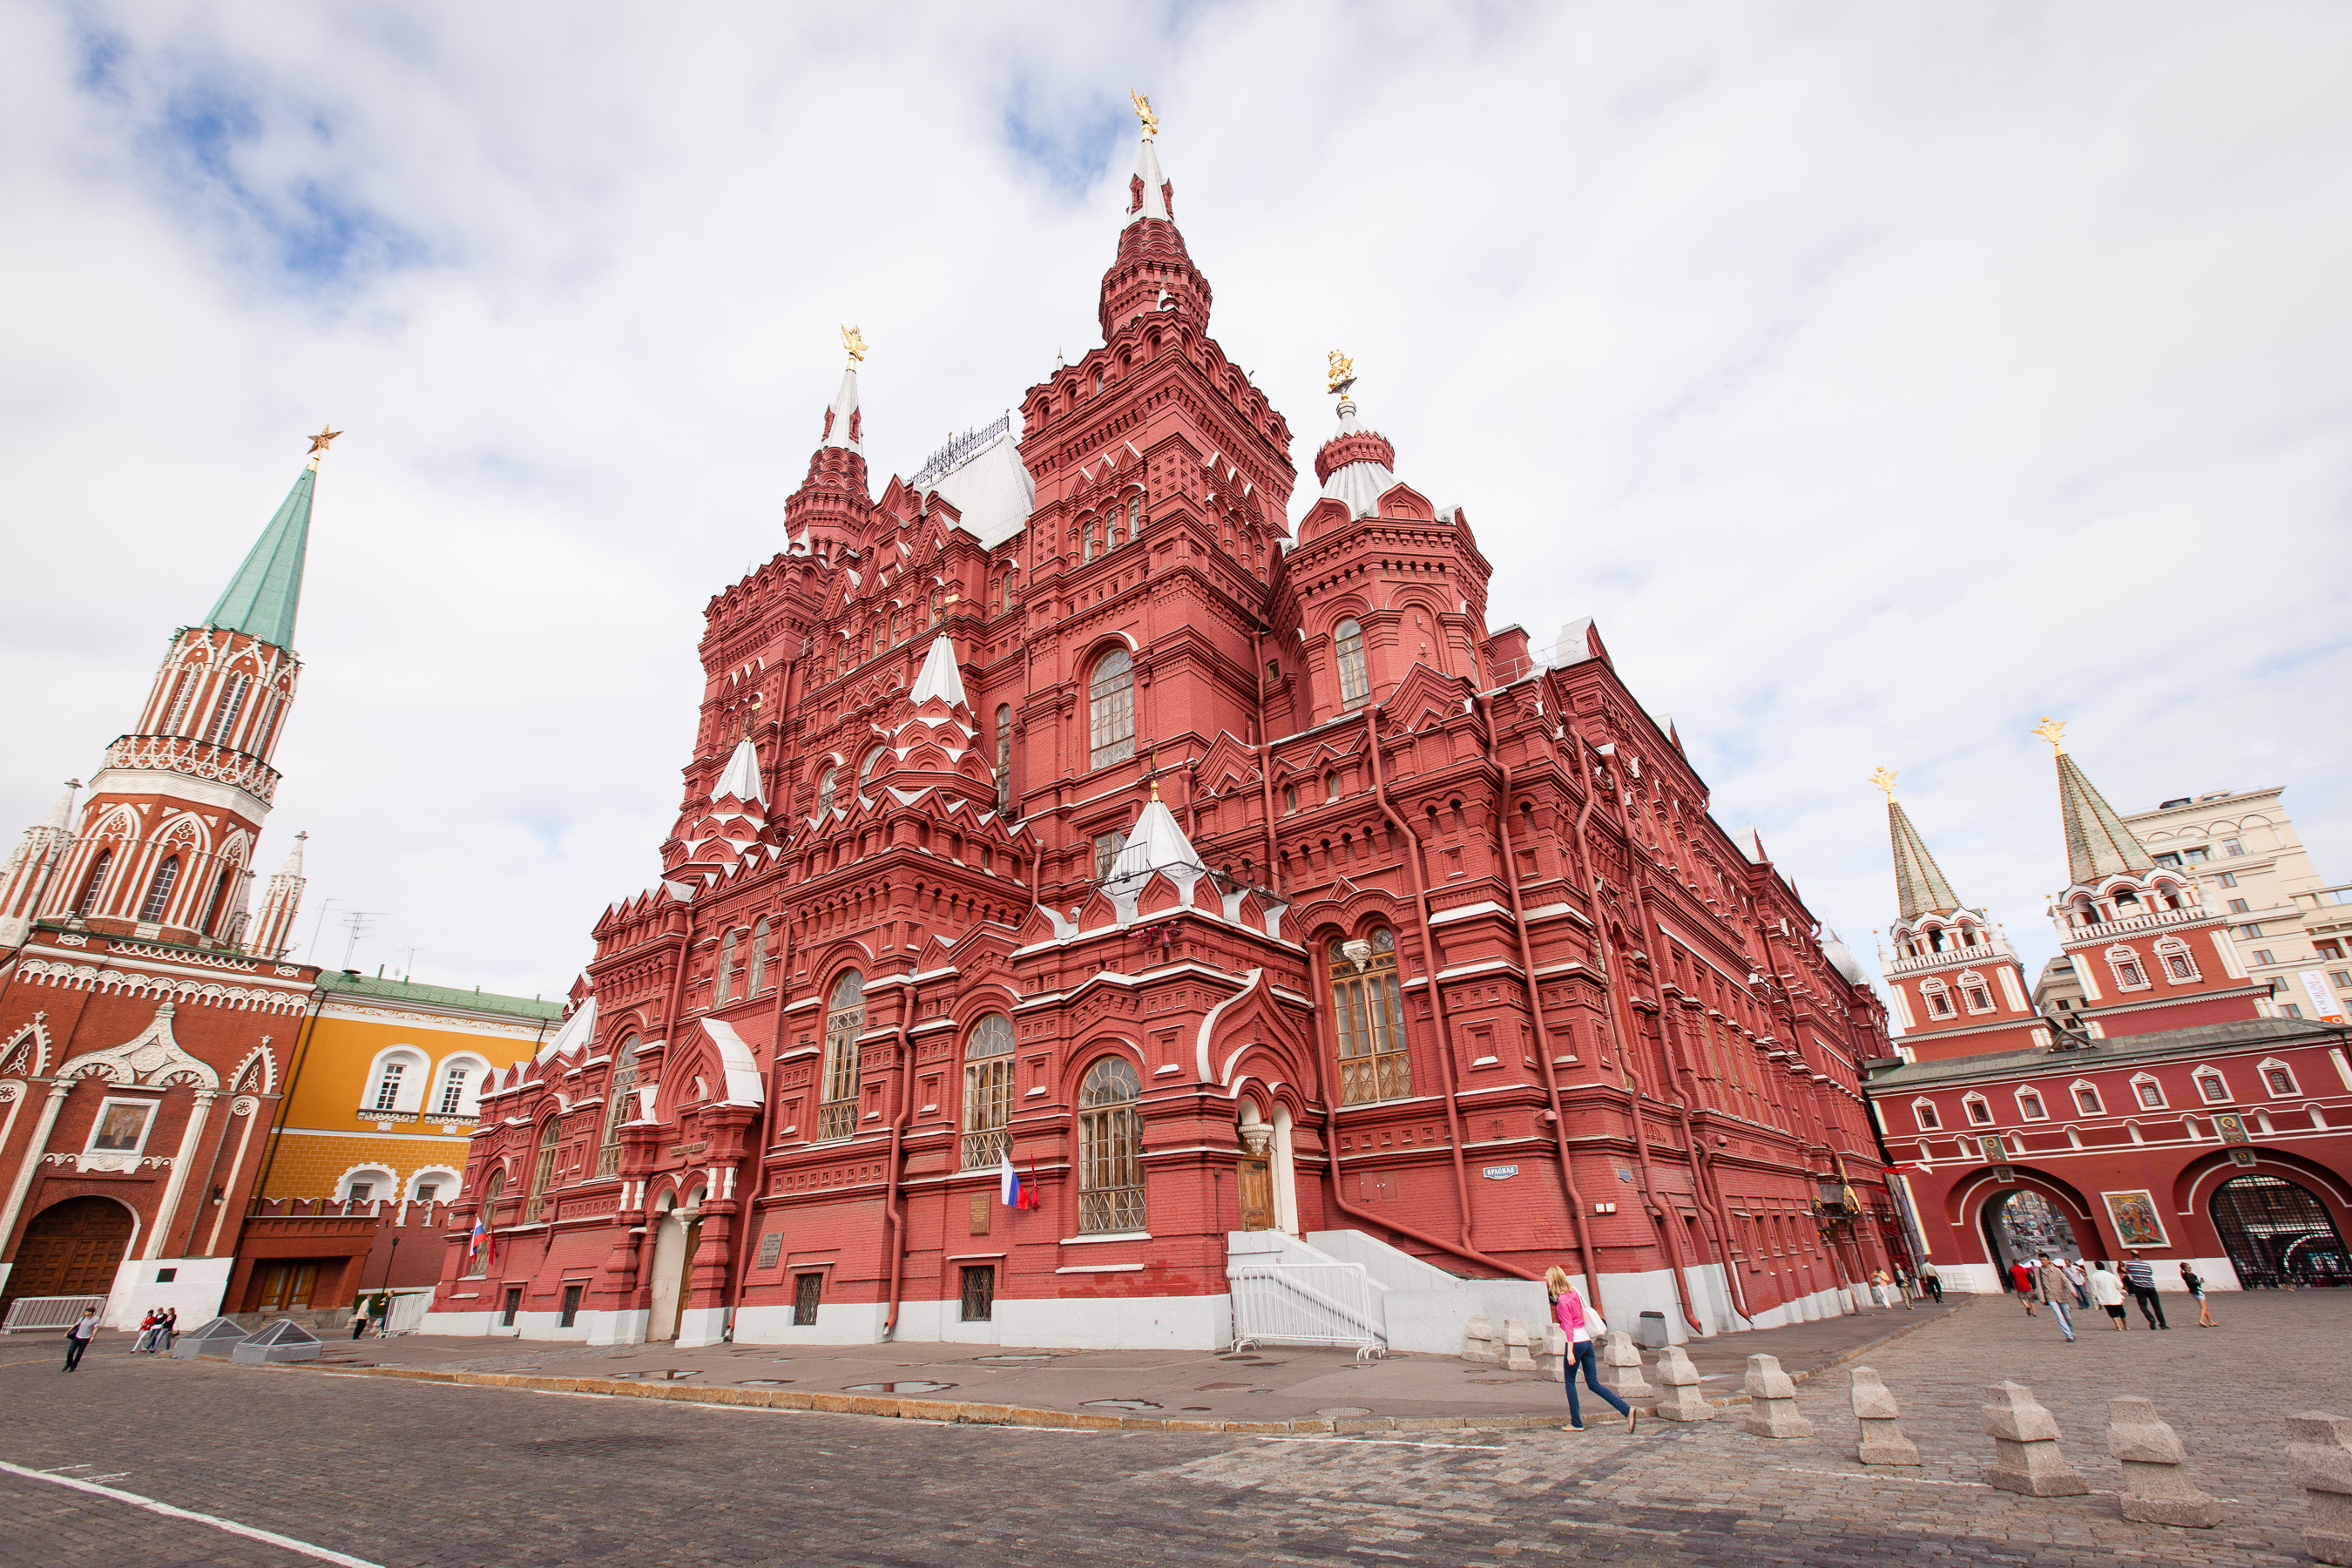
{"x":400,"y":1473}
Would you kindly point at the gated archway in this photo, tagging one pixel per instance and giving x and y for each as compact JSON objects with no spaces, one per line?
{"x":2277,"y":1231}
{"x":72,"y":1249}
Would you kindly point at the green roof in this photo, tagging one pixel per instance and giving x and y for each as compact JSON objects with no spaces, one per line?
{"x":1921,"y":887}
{"x":2098,"y":844}
{"x":440,"y":995}
{"x":262,"y":598}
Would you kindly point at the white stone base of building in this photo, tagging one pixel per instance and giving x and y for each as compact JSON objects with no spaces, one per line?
{"x":196,"y":1287}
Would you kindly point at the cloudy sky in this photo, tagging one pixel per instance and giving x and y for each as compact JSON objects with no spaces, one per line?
{"x":1881,"y":377}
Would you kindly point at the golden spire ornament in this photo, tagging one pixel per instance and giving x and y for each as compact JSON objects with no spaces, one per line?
{"x":1144,"y":112}
{"x":854,"y":343}
{"x":320,"y":443}
{"x":1341,"y":374}
{"x":1884,"y":779}
{"x":2054,"y":731}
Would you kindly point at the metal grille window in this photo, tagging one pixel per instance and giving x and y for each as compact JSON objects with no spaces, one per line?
{"x":1370,"y":1020}
{"x":2087,"y":1100}
{"x":758,"y":957}
{"x":97,"y":883}
{"x":1111,"y":1148}
{"x":987,"y":1091}
{"x":1355,"y":679}
{"x":979,"y":1292}
{"x":806,"y":1290}
{"x":1111,"y":707}
{"x":2150,"y":1097}
{"x":387,"y":1087}
{"x":837,"y":1116}
{"x":453,"y":1091}
{"x":618,"y":1093}
{"x":724,"y":990}
{"x":2279,"y":1080}
{"x":543,"y":1172}
{"x":159,"y":891}
{"x":2213,"y":1089}
{"x":224,"y":712}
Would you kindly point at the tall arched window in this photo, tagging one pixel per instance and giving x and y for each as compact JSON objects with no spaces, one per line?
{"x":1938,"y":998}
{"x":220,"y":897}
{"x":96,"y":885}
{"x":824,"y":783}
{"x":543,"y":1172}
{"x":2179,"y":964}
{"x":1355,"y":681}
{"x":844,"y":1020}
{"x":1135,"y":516}
{"x":865,"y":769}
{"x":618,"y":1095}
{"x":225,"y":711}
{"x":1111,"y":707}
{"x":1004,"y":759}
{"x":987,"y":1091}
{"x":182,"y":690}
{"x":758,"y":957}
{"x":492,"y":1190}
{"x":725,"y":990}
{"x":1975,"y":992}
{"x":159,"y":890}
{"x":454,"y":1078}
{"x":1369,"y":1019}
{"x":1111,"y":1148}
{"x":2125,"y":963}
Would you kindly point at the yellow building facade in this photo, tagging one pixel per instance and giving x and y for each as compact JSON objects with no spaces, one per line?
{"x":385,"y":1082}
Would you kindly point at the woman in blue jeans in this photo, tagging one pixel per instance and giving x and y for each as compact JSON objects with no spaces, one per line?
{"x":1579,"y":1324}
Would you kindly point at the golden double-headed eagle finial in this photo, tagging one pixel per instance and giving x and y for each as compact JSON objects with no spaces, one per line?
{"x":1342,"y":373}
{"x":1144,"y":112}
{"x":854,"y":344}
{"x":1884,"y":779}
{"x":2054,"y":731}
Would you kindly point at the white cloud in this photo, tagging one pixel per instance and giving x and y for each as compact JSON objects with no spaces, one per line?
{"x":1881,"y":379}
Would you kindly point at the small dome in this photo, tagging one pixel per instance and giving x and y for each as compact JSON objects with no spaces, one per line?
{"x":1843,"y":960}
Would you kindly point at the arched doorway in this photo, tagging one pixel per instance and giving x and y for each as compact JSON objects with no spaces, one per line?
{"x":2277,"y":1232}
{"x":72,"y":1249}
{"x":2020,"y":1225}
{"x":674,"y":1238}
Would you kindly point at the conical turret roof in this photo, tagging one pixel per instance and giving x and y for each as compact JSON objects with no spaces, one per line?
{"x":2098,"y":844}
{"x":261,"y":600}
{"x":1920,"y":885}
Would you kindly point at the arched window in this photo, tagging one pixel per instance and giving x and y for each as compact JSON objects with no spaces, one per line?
{"x":1355,"y":681}
{"x":2147,"y":1091}
{"x":2087,"y":1100}
{"x":451,"y":1101}
{"x":1979,"y":1110}
{"x":758,"y":957}
{"x":493,"y":1190}
{"x":824,"y":783}
{"x":1111,"y":1148}
{"x":96,"y":885}
{"x":2212,"y":1087}
{"x":182,"y":690}
{"x":1370,"y":1021}
{"x":220,"y":897}
{"x":391,"y":1079}
{"x":844,"y":1020}
{"x":619,"y":1092}
{"x":1974,"y":992}
{"x":2179,"y":964}
{"x":1087,"y":540}
{"x":2277,"y":1077}
{"x":724,"y":991}
{"x":865,"y":769}
{"x":1135,"y":516}
{"x":2030,"y":1106}
{"x":1923,"y":1112}
{"x":1111,"y":707}
{"x":225,"y":711}
{"x":543,"y":1172}
{"x":2125,"y":963}
{"x":159,"y":890}
{"x":881,"y":638}
{"x":987,"y":1091}
{"x":1938,"y":998}
{"x":1004,"y":759}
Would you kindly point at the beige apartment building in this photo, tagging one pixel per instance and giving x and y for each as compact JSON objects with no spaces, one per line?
{"x":2289,"y":926}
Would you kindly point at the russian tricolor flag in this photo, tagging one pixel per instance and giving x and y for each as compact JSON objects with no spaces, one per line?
{"x":480,"y":1237}
{"x":1008,"y":1182}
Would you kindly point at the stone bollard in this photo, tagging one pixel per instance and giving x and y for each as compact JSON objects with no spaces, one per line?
{"x":1680,"y":1399}
{"x":2156,"y":1488}
{"x":1772,"y":1401}
{"x":2319,"y":1447}
{"x":1551,"y":1361}
{"x":2025,"y":1445}
{"x":1516,"y":1354}
{"x":1882,"y":1442}
{"x":1479,"y":1341}
{"x":1621,"y":1366}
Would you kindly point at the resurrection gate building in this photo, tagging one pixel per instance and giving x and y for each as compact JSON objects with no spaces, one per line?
{"x":1058,"y":805}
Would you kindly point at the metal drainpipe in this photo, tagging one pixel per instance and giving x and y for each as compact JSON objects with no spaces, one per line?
{"x":894,"y":1213}
{"x":286,"y":1096}
{"x":1429,"y":962}
{"x":1543,"y":1036}
{"x":1324,"y":1049}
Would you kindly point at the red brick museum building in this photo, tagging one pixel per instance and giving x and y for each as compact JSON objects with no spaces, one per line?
{"x":1242,"y":889}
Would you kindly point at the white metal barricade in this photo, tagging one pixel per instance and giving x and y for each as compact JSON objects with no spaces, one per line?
{"x":1306,"y":1304}
{"x":31,"y":1314}
{"x":407,"y":1311}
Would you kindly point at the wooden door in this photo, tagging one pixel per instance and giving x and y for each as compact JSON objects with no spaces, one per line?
{"x":1256,"y":1193}
{"x":669,"y":1254}
{"x":72,"y":1249}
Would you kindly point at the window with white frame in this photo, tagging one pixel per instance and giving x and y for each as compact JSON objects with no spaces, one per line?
{"x":459,"y":1090}
{"x":1979,"y":1110}
{"x":2030,"y":1106}
{"x":369,"y":1184}
{"x":2180,"y":965}
{"x":2147,"y":1091}
{"x":1923,"y":1112}
{"x":435,"y":1183}
{"x":397,"y":1083}
{"x":2125,"y":963}
{"x":2278,"y":1078}
{"x":1975,"y":992}
{"x":2087,"y":1100}
{"x":121,"y":1127}
{"x":1938,"y":998}
{"x":2212,"y":1087}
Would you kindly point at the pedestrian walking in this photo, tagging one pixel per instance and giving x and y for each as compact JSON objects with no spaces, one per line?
{"x":2196,"y":1283}
{"x":1882,"y":1289}
{"x":1931,"y":1281}
{"x":2141,"y":1280}
{"x":2107,"y":1291}
{"x":2054,"y":1290}
{"x":78,"y":1338}
{"x":2023,"y":1280}
{"x":1579,"y":1324}
{"x":2078,"y":1281}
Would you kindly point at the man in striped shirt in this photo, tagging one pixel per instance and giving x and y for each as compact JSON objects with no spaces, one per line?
{"x":2141,"y":1281}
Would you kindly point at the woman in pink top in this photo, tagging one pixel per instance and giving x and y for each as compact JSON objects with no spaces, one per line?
{"x":1581,"y":1324}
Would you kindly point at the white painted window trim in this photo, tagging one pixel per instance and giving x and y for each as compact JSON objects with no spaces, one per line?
{"x":1970,"y":1101}
{"x":2268,"y":1065}
{"x":411,"y":1095}
{"x":1933,"y":1121}
{"x":2120,"y":953}
{"x":2162,"y":1103}
{"x":2023,"y":1091}
{"x":1969,"y":978}
{"x":2079,"y":1088}
{"x":469,"y":1101}
{"x":390,"y":1182}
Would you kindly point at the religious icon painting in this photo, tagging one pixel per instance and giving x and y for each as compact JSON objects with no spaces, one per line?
{"x":2135,"y":1218}
{"x":2233,"y":1128}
